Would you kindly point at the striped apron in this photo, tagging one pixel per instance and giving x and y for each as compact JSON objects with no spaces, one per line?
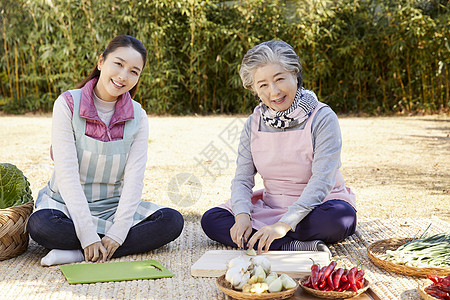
{"x":101,"y":168}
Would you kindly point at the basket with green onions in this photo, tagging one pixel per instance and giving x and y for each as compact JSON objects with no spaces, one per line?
{"x":426,"y":252}
{"x":418,"y":256}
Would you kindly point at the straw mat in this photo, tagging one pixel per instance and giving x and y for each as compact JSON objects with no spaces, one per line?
{"x":22,"y":277}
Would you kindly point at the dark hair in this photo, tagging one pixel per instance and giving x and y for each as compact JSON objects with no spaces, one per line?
{"x":117,"y":42}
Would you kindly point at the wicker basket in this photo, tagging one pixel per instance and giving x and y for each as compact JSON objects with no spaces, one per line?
{"x":225,"y":286}
{"x":378,"y":248}
{"x":13,"y":234}
{"x":333,"y":294}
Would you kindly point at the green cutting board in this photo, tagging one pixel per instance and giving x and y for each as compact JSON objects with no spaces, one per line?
{"x":115,"y":271}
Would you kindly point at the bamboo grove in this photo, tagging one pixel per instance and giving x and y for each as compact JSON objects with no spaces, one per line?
{"x":359,"y":56}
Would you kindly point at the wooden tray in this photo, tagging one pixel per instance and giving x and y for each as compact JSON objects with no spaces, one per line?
{"x":380,"y":247}
{"x":225,"y":286}
{"x":213,"y":263}
{"x":333,"y":294}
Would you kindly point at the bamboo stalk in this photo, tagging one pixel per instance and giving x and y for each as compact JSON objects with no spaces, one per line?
{"x":397,"y":73}
{"x":49,"y":87}
{"x":33,"y":58}
{"x":446,"y":88}
{"x":408,"y":72}
{"x":3,"y":89}
{"x":439,"y":85}
{"x":383,"y":87}
{"x":432,"y":91}
{"x":8,"y":69}
{"x":25,"y":70}
{"x":424,"y":88}
{"x":16,"y":71}
{"x":191,"y":54}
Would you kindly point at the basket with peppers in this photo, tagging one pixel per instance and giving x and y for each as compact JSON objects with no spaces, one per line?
{"x":440,"y":288}
{"x":332,"y":279}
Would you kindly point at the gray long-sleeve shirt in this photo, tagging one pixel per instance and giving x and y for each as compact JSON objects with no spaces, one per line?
{"x":327,"y":143}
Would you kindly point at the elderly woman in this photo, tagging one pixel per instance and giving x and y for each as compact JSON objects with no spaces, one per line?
{"x":294,"y":142}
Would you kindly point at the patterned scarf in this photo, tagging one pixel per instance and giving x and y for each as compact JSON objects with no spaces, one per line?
{"x":304,"y":103}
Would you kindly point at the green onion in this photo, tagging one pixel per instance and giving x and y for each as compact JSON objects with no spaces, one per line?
{"x":423,"y":252}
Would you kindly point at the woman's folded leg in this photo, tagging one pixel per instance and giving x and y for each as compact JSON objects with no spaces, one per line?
{"x":216,"y":223}
{"x":52,"y":229}
{"x":162,"y":227}
{"x":330,"y":222}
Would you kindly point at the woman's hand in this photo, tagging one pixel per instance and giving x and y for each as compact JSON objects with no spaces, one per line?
{"x":95,"y":252}
{"x":110,"y":245}
{"x":241,"y":229}
{"x":267,"y":235}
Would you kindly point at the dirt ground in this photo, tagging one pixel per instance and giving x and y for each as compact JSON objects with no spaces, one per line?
{"x":397,"y":166}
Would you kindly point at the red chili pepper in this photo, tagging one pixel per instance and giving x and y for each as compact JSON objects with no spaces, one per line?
{"x":337,"y":277}
{"x":308,"y":281}
{"x":330,"y":280}
{"x":434,"y":295}
{"x":359,"y":283}
{"x":344,"y":276}
{"x":443,"y":287}
{"x":327,"y":271}
{"x":314,"y":275}
{"x":344,"y":287}
{"x":433,"y":278}
{"x":433,"y":290}
{"x":318,"y":277}
{"x":351,"y":279}
{"x":327,"y":288}
{"x":359,"y":274}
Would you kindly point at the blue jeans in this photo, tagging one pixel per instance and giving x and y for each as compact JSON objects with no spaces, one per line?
{"x":52,"y":229}
{"x":332,"y":221}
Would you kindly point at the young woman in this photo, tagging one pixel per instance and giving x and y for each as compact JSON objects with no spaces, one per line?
{"x":99,"y":147}
{"x":294,"y":142}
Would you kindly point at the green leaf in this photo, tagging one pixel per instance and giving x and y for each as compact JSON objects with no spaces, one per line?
{"x":14,"y":186}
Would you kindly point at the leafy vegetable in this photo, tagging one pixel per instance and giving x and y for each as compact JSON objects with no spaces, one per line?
{"x":14,"y":186}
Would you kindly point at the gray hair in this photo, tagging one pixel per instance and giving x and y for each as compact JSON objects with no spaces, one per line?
{"x":278,"y":52}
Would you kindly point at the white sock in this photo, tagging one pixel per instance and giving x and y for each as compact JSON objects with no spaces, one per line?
{"x":59,"y":257}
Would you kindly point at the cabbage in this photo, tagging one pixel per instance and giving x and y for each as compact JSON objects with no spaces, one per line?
{"x":14,"y":186}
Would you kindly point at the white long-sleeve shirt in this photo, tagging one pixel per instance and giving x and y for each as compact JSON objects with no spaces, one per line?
{"x":68,"y":181}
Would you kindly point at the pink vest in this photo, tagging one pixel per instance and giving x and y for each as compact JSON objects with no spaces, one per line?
{"x":284,"y":161}
{"x":95,"y":128}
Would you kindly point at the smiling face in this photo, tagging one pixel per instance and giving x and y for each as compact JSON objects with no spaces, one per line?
{"x":119,"y":73}
{"x":275,"y":86}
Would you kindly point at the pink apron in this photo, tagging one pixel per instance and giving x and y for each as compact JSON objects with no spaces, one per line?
{"x":284,"y":161}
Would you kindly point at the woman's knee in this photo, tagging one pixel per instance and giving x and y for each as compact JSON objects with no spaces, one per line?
{"x":40,"y":221}
{"x":174,"y":220}
{"x":333,"y":221}
{"x":212,"y":220}
{"x":341,"y":222}
{"x":207,"y":219}
{"x":52,"y":229}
